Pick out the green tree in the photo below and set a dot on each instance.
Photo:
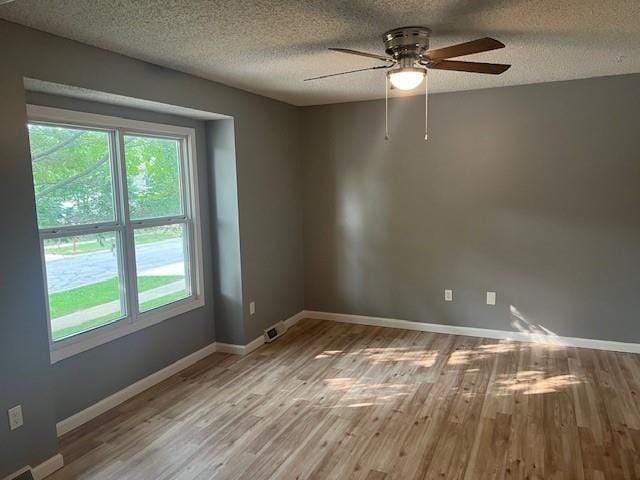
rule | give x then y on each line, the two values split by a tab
71	172
153	176
73	180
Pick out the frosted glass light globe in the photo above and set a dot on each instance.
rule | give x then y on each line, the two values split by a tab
406	78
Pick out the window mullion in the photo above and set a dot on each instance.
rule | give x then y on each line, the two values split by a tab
128	258
185	175
189	200
192	261
46	290
118	193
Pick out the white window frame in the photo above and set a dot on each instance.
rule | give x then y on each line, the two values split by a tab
133	320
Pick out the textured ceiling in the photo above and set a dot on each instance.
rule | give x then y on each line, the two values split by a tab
269	47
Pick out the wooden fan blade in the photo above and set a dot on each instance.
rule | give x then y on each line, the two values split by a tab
474	67
345	73
362	54
474	46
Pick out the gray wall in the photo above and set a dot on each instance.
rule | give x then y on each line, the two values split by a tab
24	351
531	191
268	181
270	201
226	225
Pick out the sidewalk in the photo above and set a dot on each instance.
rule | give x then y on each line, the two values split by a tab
105	309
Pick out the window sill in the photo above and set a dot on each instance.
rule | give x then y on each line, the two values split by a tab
86	341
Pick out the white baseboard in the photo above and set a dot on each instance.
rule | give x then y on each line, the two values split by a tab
41	471
131	391
13	475
253	344
231	348
291	321
112	401
475	332
117	398
256	342
47	467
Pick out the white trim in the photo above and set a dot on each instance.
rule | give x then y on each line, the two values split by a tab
253	345
42	470
47	467
241	349
120	329
112	401
231	348
291	321
259	341
13	475
74	421
476	332
117	398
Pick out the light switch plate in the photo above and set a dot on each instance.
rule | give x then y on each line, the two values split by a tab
252	308
448	295
491	298
15	417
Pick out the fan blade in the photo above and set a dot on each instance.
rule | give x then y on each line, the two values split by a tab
474	67
345	73
474	46
363	54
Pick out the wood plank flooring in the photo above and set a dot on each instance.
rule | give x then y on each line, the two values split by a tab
331	400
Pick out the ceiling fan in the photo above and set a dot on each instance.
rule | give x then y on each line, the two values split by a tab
408	58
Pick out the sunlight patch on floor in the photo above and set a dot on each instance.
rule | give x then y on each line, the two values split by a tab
533	382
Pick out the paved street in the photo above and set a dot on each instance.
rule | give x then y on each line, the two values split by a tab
73	271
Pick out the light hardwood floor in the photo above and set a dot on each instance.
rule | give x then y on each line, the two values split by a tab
341	401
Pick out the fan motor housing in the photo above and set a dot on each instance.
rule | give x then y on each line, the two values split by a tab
406	41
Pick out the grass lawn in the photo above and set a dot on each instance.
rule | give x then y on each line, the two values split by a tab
157	302
84	326
106	319
81	298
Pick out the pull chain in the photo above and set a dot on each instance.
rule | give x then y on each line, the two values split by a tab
386	107
426	106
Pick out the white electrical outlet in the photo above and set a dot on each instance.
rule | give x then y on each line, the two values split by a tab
448	295
15	417
491	298
252	308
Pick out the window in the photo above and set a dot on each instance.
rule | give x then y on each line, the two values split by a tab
118	220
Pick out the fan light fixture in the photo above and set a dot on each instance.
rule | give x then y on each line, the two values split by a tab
406	78
407	58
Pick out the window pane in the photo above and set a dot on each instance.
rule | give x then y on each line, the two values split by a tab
162	264
153	176
84	283
72	175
